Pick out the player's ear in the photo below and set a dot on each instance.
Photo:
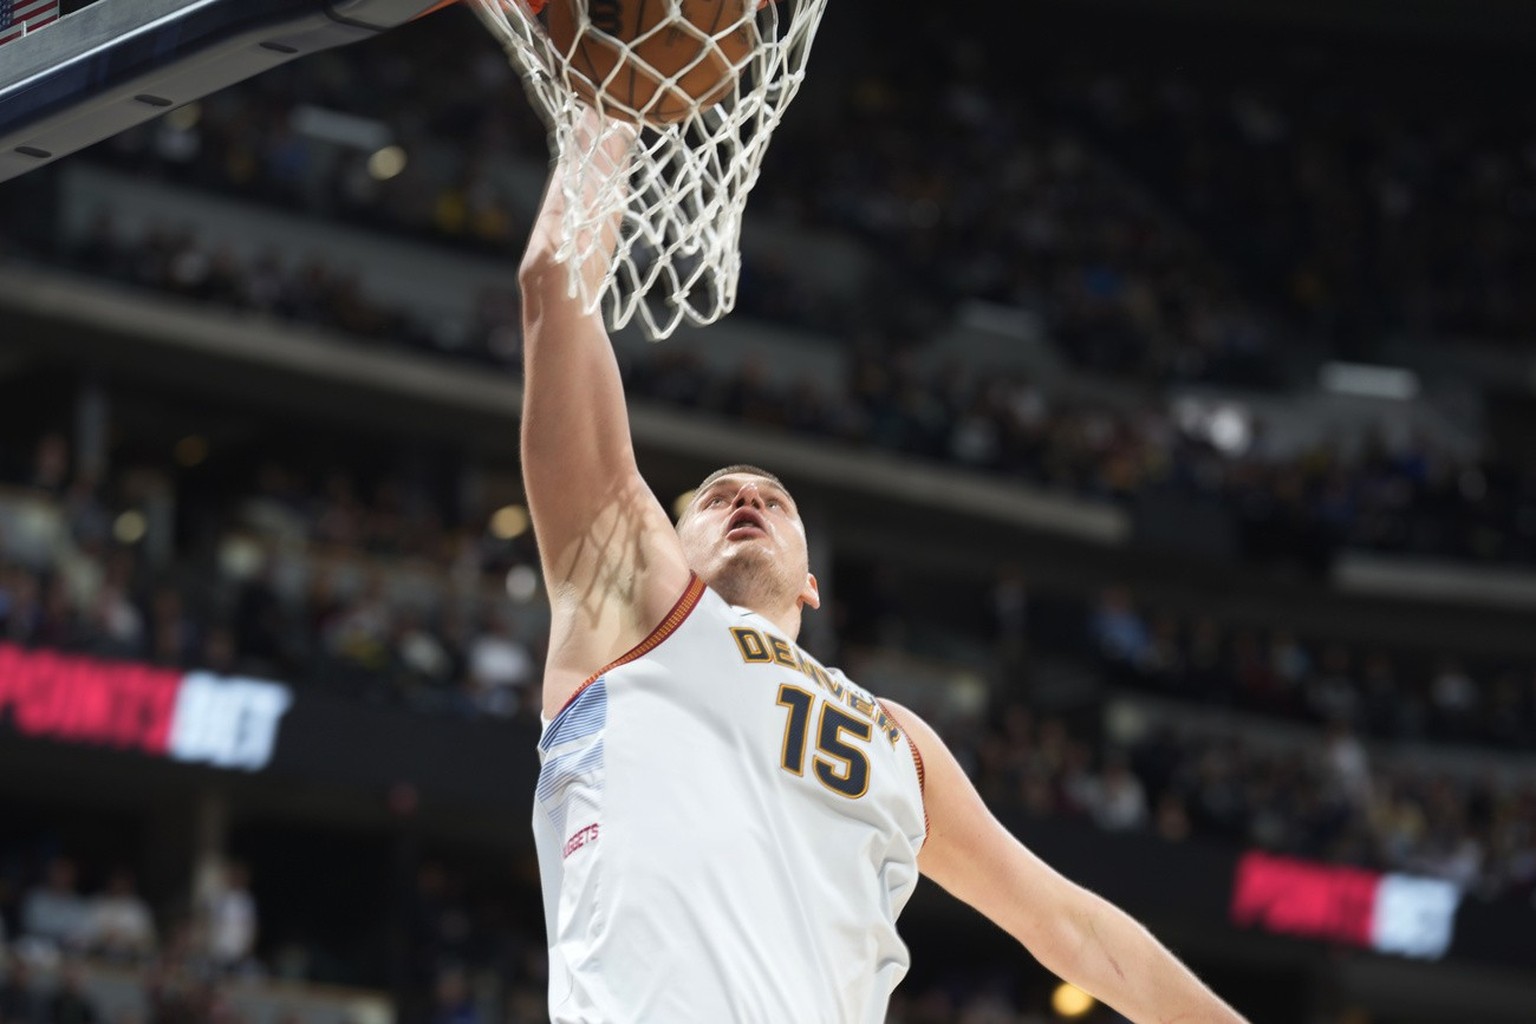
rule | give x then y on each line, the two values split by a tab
810	594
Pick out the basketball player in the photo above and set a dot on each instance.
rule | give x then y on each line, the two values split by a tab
726	829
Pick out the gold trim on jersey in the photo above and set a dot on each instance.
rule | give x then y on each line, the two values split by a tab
750	643
917	761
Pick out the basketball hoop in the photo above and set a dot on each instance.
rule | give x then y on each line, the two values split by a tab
691	161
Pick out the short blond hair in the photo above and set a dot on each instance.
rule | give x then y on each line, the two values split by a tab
740	467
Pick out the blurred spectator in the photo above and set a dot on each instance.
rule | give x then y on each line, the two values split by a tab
114	618
1119	802
70	1004
229	918
20	1002
1455	700
220	653
1347	765
50	467
1010	619
1172	819
174	637
1333	695
1119	631
258	621
173	995
54	911
90	524
423	652
360	632
454	1003
500	667
121	927
19	607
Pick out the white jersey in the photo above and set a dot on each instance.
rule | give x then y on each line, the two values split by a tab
726	833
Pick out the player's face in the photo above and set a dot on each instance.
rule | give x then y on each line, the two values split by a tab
744	537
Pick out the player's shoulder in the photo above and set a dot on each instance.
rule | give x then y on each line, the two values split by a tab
916	728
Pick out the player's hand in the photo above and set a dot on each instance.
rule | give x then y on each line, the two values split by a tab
598	181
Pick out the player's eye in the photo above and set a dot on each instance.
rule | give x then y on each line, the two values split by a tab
716	500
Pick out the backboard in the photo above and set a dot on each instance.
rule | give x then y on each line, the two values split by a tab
112	64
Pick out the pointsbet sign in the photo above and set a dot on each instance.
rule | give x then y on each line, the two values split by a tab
1404	915
193	717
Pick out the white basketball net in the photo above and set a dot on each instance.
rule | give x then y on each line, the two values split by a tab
679	254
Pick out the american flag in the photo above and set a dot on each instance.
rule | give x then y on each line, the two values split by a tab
18	17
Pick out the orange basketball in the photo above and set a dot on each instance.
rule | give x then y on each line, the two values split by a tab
653	59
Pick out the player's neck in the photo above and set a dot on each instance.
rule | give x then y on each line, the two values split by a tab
788	622
785	617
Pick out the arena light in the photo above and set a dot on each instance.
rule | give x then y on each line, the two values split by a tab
1364	381
387	163
1230	430
522	583
509	522
184	118
681	502
191	451
1071	1002
130	527
365	133
1224	424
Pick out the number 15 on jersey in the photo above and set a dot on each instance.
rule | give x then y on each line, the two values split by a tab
837	764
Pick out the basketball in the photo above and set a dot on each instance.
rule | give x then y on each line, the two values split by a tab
653	59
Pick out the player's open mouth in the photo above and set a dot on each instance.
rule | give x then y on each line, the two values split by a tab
745	523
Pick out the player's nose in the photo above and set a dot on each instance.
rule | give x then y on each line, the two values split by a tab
749	495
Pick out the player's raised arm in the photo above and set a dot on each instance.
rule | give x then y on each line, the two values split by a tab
1075	934
612	564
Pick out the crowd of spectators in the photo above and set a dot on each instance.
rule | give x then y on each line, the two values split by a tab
115	924
467	652
1296	509
1350	203
1388	695
175	261
462	957
471	956
965	190
1285	507
343	617
54	936
945	162
378	587
1326	799
1360	199
460	950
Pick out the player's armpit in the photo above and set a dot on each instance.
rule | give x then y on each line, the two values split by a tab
1075	934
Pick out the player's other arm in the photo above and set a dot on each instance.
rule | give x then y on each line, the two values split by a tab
1077	935
612	564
